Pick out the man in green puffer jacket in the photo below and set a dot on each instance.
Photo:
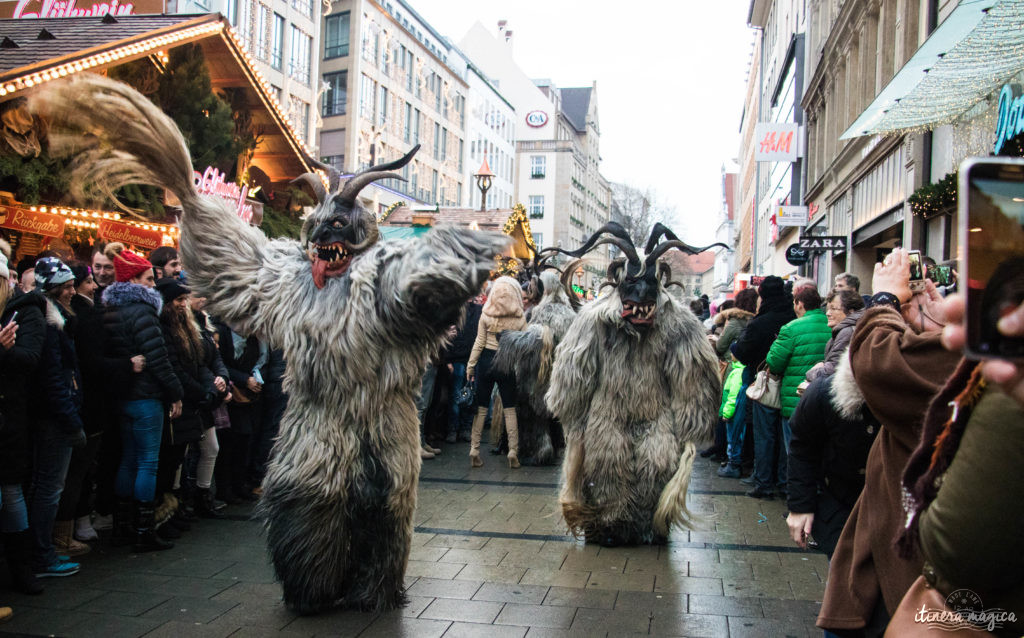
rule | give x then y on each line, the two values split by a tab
800	345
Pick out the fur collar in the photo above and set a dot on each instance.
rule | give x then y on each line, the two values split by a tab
123	293
846	396
732	313
54	316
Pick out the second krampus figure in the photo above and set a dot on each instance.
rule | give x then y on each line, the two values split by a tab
636	386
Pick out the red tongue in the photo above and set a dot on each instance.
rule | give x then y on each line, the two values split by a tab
319	273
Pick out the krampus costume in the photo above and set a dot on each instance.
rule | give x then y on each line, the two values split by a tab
529	355
635	385
357	321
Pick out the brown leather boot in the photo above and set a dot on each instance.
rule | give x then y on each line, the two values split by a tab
474	438
512	428
64	541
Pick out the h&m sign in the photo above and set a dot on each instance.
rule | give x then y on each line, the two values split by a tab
836	242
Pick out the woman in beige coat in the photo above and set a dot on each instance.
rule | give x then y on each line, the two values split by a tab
502	311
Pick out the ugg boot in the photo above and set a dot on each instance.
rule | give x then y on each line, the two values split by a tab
146	539
64	541
18	549
123	533
84	531
474	437
512	428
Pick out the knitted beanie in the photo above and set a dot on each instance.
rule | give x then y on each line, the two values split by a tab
81	272
771	288
51	272
127	264
170	289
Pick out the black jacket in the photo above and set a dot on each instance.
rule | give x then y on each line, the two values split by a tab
132	327
752	347
100	374
244	416
196	382
462	345
830	444
56	392
17	368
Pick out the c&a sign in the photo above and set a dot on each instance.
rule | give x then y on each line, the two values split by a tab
28	221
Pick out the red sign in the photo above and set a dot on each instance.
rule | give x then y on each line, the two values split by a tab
29	221
127	234
77	8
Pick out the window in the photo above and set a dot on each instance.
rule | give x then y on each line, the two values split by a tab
416	127
366	90
337	36
408	70
305	7
414	180
538	239
444	144
277	43
536	206
382	107
300	118
407	131
461	148
433	185
335	161
437	93
336	95
261	40
302	47
232	10
245	9
437	141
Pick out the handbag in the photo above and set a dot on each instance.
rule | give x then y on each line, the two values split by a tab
466	395
766	388
905	622
220	417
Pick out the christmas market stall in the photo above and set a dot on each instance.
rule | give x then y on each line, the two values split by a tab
244	146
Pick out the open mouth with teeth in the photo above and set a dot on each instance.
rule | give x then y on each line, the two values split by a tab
638	314
329	260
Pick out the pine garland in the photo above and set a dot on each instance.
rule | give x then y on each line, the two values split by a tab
935	199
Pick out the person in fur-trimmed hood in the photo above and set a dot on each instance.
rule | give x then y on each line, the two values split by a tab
132	324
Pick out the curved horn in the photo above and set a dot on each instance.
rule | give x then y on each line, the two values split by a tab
542	261
566	279
614	267
313	181
664	247
657	232
360	180
620	239
333	174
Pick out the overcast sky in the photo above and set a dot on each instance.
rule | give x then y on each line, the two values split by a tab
670	83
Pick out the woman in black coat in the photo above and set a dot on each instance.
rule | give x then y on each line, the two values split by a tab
202	458
21	344
243	357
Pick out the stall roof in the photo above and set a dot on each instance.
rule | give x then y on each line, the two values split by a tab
34	52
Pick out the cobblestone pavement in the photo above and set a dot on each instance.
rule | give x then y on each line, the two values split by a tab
490	558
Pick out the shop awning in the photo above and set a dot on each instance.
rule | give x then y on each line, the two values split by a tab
975	50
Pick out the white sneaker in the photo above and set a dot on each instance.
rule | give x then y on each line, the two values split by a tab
84	530
103	522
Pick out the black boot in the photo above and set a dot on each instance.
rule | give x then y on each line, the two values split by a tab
18	548
146	539
124	531
204	504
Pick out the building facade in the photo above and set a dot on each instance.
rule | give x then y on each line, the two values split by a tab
282	38
724	261
746	182
390	81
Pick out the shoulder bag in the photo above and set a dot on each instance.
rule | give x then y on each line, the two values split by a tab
909	622
766	388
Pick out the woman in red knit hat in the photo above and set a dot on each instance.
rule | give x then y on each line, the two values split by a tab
134	336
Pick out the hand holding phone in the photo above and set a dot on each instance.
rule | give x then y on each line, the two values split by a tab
916	271
8	334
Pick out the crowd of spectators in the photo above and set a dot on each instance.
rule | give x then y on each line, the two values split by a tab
123	406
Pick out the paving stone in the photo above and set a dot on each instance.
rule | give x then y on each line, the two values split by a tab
526	594
685	585
472	611
766	628
474	630
605	563
695	625
66	598
460	542
530	560
808	591
43	622
536	616
428	554
196	568
185	608
272	615
200	587
649	602
560	577
436	588
760	588
265	632
177	629
725	606
391	626
492	574
124	603
695	555
261	593
574	597
339	622
628	582
422	569
106	626
248	572
599	621
779	608
735	570
474	556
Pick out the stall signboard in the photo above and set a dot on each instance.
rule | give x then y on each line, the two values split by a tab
776	142
29	221
792	216
128	234
18	9
211	182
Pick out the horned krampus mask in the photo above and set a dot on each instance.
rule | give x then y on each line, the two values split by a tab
340	229
636	280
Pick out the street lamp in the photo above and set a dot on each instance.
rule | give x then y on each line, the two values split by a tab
483	182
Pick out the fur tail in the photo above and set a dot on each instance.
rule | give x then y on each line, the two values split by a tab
547	356
575	510
672	503
115	136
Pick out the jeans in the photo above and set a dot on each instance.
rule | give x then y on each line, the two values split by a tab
48	473
767	431
141	429
736	428
426	394
460	418
13	513
787	435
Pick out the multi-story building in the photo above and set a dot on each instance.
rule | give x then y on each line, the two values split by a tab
724	261
746	184
282	37
557	151
391	82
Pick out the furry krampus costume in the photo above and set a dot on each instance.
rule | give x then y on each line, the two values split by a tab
357	321
635	384
529	354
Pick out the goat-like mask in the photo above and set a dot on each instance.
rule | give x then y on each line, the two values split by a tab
340	228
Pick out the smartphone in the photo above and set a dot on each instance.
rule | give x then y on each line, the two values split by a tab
14	316
916	270
991	210
941	275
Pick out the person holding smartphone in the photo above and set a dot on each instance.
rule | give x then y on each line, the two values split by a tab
899	365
